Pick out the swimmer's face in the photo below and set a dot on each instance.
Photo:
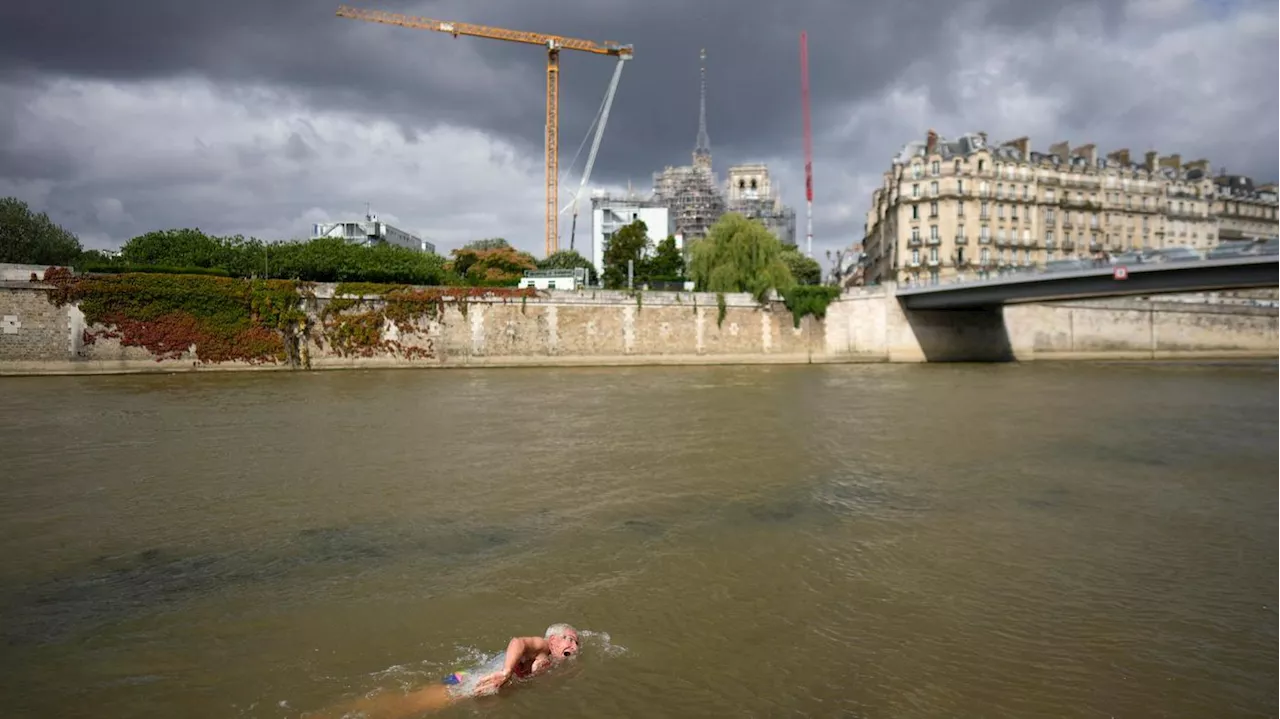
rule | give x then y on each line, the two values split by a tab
564	646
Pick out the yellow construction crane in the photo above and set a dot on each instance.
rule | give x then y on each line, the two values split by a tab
553	43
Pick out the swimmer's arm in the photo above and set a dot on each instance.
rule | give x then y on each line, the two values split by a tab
519	648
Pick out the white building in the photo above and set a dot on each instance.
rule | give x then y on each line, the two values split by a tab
555	279
610	214
371	231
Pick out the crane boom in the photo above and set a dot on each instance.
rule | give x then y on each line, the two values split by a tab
595	145
553	44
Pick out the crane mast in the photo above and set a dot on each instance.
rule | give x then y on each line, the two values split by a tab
808	142
553	44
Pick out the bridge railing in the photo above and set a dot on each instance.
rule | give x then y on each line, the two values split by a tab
994	272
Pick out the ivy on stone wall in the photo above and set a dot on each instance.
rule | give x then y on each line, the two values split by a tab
809	300
222	319
353	322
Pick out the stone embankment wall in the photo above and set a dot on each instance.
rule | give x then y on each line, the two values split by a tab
560	329
592	327
618	328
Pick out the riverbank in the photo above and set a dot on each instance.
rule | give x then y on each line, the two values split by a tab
182	324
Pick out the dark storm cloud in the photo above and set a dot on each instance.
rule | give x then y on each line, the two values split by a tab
420	77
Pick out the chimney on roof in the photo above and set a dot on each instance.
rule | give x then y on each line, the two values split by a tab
1120	156
1061	149
931	143
1174	161
983	135
1150	162
1022	145
1089	152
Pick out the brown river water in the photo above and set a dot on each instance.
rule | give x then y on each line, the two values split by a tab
1040	540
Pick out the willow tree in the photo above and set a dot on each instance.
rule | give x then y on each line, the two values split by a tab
739	255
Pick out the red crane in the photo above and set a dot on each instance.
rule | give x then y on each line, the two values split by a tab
808	142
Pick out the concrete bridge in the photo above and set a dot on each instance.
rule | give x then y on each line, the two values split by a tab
1199	275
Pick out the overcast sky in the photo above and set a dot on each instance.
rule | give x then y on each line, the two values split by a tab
260	117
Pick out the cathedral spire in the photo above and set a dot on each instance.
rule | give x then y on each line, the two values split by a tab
702	149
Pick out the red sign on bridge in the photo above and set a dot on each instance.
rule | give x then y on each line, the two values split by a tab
1120	273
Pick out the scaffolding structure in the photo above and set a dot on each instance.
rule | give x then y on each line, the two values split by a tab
691	193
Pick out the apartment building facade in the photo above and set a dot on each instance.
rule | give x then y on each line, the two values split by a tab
965	207
1245	212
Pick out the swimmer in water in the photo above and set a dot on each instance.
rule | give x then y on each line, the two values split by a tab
524	657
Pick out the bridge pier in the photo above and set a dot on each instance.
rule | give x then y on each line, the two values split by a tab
978	335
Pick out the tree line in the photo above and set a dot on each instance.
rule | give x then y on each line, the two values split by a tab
738	255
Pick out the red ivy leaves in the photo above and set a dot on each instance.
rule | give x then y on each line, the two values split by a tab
171	335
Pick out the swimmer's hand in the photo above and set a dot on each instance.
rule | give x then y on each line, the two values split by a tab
493	682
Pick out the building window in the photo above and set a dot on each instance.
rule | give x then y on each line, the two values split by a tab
915	234
933	188
936	168
985	256
933	232
933	208
915	212
915	257
960	209
983	211
960	186
1048	238
981	165
957	167
999	209
1048	194
982	188
984	233
933	255
999	191
915	190
915	170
